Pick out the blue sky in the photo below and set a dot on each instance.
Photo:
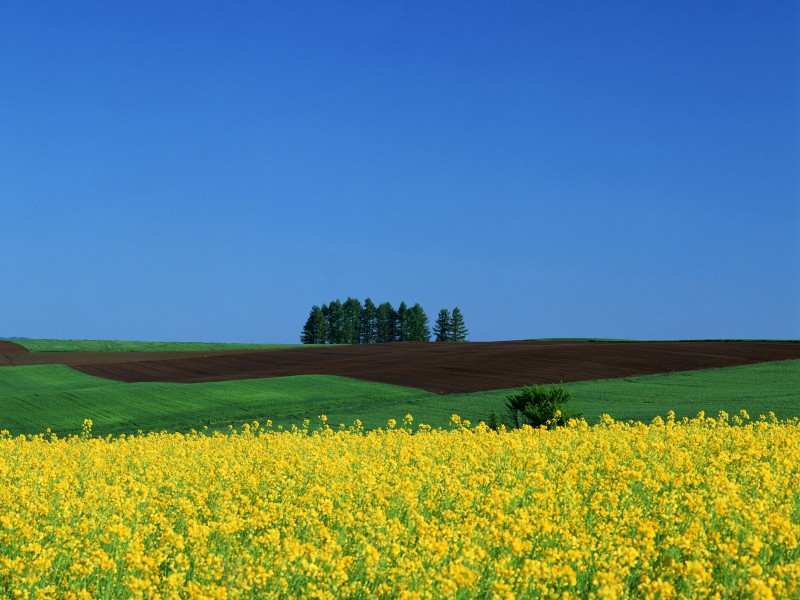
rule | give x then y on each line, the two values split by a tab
210	170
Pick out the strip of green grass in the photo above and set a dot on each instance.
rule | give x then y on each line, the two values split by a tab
37	397
133	346
759	389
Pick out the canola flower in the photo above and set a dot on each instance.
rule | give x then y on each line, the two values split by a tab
700	508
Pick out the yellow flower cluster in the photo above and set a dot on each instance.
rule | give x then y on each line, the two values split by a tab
699	508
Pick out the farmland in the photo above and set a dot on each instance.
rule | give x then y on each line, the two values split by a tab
314	484
40	396
442	368
54	396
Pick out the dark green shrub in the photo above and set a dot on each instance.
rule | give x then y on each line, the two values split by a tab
494	422
539	405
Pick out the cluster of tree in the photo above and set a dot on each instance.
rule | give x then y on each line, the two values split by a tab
450	327
351	322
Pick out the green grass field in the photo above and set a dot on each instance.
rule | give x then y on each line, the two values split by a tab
36	345
759	389
33	398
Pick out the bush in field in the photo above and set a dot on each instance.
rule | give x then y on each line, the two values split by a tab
539	405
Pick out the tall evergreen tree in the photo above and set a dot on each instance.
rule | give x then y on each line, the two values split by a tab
386	319
314	331
351	321
441	329
369	322
418	329
335	322
458	329
401	326
326	313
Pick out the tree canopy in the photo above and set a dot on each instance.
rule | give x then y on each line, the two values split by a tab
441	329
315	331
351	322
450	327
458	329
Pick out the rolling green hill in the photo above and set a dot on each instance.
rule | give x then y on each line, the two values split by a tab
33	398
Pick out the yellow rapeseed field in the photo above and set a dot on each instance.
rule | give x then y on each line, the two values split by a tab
701	508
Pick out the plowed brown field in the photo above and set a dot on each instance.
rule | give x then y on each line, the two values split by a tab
11	348
440	368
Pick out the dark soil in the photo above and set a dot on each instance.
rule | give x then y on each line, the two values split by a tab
436	367
11	347
10	352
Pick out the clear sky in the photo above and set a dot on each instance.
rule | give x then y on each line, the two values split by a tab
210	170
